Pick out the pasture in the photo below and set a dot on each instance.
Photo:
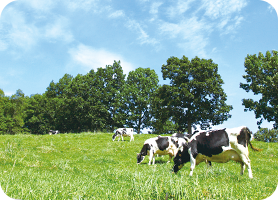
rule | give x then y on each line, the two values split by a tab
91	166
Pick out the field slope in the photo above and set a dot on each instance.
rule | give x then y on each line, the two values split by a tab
91	166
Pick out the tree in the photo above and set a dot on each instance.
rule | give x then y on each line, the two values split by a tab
266	135
141	84
12	113
109	86
40	114
194	96
262	78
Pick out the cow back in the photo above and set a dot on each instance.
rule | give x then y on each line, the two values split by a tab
211	142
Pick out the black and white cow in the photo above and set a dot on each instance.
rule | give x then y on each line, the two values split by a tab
160	146
216	146
53	132
187	137
120	132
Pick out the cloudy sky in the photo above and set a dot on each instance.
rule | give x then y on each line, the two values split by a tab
41	40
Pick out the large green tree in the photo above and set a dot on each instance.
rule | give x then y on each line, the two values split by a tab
195	95
109	87
140	87
262	79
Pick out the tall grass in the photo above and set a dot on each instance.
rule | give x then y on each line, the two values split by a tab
91	166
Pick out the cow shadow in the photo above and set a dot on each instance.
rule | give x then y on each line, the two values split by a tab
156	162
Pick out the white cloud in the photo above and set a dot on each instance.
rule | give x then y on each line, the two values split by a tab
82	4
40	5
116	14
219	8
271	5
17	32
58	30
154	7
3	45
233	26
91	58
179	8
143	37
192	33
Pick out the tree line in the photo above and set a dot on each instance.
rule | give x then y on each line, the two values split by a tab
106	99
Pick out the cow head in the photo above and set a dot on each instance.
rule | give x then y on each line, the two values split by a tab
140	158
181	158
114	136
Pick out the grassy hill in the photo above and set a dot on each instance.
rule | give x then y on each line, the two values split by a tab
91	166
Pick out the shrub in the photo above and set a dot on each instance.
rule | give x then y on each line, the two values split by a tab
266	135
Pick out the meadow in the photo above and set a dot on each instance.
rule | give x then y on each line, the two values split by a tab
91	166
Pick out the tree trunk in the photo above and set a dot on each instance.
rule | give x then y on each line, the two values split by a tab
189	130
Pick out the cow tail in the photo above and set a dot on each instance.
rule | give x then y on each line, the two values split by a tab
249	138
254	148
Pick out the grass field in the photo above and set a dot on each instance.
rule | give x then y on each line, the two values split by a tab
91	166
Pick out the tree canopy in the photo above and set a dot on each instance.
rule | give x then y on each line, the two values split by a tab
101	100
195	95
262	79
141	85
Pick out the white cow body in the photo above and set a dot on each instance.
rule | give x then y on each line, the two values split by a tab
126	132
160	146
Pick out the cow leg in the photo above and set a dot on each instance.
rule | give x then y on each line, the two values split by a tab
122	138
151	157
153	160
208	163
242	168
170	158
192	161
243	154
246	161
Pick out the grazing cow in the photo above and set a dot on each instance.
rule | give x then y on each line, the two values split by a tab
216	146
187	137
160	146
120	132
53	132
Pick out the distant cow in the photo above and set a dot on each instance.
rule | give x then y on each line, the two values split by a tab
120	132
161	146
53	132
217	146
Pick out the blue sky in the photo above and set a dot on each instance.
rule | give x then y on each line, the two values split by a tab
41	40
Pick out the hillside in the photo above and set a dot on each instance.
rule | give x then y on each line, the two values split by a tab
91	166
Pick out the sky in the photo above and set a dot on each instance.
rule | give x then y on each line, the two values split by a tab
41	40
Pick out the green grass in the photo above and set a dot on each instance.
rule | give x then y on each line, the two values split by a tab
91	166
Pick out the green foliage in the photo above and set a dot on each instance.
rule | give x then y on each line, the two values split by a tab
194	96
91	166
141	85
262	78
12	113
102	100
266	135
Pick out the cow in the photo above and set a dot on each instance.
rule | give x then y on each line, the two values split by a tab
216	146
160	146
53	132
120	132
187	137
